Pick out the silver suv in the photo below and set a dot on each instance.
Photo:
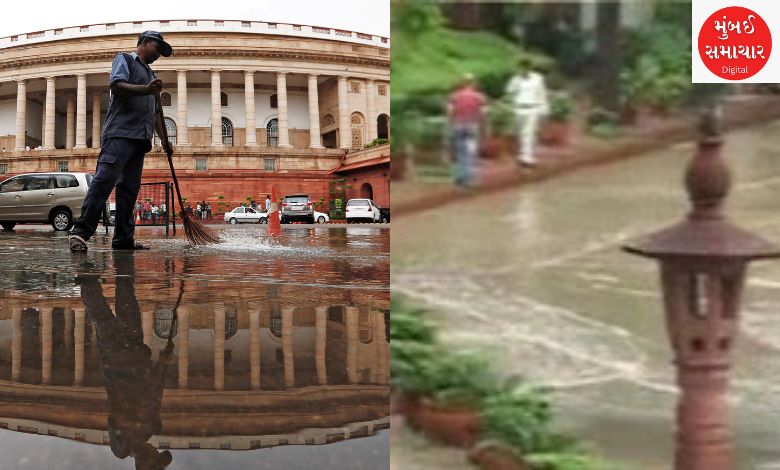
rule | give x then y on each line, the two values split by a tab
297	207
33	198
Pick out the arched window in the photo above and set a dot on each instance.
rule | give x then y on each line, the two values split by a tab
223	98
163	319
276	321
165	98
170	126
273	132
227	132
274	102
381	126
231	322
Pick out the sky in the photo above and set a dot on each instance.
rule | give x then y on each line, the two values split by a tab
363	16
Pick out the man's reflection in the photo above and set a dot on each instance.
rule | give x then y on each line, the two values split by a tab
134	385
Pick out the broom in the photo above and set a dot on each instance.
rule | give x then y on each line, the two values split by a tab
197	233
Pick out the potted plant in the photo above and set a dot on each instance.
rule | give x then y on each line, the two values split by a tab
556	130
411	339
452	386
516	432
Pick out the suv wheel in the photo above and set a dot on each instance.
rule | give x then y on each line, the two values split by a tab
61	220
8	226
233	221
320	220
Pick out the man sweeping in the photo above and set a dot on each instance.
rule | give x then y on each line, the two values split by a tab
126	138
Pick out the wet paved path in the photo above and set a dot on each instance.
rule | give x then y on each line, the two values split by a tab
278	359
536	277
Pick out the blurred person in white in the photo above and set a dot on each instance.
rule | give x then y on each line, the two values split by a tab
529	97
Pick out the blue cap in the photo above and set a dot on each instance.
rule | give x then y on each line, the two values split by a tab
165	49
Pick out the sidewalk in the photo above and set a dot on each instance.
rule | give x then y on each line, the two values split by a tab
739	111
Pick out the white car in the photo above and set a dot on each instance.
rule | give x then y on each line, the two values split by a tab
242	214
362	210
321	217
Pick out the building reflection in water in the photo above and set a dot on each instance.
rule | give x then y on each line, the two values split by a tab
254	364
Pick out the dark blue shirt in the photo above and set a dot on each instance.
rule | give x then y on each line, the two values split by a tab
131	117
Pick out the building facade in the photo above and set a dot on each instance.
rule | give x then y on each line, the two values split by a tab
252	107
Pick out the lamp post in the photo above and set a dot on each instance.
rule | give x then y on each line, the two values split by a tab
703	261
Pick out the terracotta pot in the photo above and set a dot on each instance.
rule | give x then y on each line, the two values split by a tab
455	426
496	456
555	133
490	148
398	167
402	403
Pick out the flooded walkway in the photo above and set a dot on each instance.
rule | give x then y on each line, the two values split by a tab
254	353
536	279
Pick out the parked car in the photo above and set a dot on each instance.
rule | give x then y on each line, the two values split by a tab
362	210
34	198
297	207
243	214
321	217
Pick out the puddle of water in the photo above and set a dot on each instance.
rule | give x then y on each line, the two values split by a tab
279	345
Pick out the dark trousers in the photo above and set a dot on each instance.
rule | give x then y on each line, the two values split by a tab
119	165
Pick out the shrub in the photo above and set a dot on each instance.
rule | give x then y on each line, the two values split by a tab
561	106
659	75
375	143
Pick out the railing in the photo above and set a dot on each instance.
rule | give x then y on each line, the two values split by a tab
205	25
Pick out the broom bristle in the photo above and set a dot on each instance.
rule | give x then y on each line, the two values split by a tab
197	233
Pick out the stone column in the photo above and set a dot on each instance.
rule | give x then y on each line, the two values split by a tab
48	136
287	346
219	347
382	348
371	110
16	345
321	318
216	111
81	112
21	114
281	101
181	97
314	113
345	129
46	344
95	120
184	345
249	104
254	345
68	330
352	344
78	338
147	325
70	120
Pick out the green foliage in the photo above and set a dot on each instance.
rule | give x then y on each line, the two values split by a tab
375	143
518	416
409	324
449	378
432	61
501	115
562	461
561	106
658	73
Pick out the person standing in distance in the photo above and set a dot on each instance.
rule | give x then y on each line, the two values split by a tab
126	138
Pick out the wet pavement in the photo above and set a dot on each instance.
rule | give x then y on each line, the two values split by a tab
258	352
535	278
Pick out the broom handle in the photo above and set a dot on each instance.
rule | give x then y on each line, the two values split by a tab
164	136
